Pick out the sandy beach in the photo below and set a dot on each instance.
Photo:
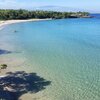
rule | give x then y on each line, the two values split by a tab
7	22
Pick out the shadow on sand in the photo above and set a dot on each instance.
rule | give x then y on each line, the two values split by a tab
4	52
20	83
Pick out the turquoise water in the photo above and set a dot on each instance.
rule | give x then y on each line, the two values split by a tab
65	52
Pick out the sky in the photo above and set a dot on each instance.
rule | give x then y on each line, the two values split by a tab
87	5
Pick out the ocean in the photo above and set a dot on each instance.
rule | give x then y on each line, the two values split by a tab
65	52
97	15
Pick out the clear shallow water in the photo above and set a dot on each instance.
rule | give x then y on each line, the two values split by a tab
66	52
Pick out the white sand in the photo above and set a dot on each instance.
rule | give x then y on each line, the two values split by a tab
7	22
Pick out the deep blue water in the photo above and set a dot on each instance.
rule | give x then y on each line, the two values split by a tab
96	15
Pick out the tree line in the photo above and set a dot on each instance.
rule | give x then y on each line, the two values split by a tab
6	14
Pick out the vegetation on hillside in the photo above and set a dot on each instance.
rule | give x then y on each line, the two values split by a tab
25	14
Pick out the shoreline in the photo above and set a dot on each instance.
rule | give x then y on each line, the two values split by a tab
3	23
8	22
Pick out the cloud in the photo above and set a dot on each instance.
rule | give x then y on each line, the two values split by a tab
7	1
17	4
7	4
12	4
